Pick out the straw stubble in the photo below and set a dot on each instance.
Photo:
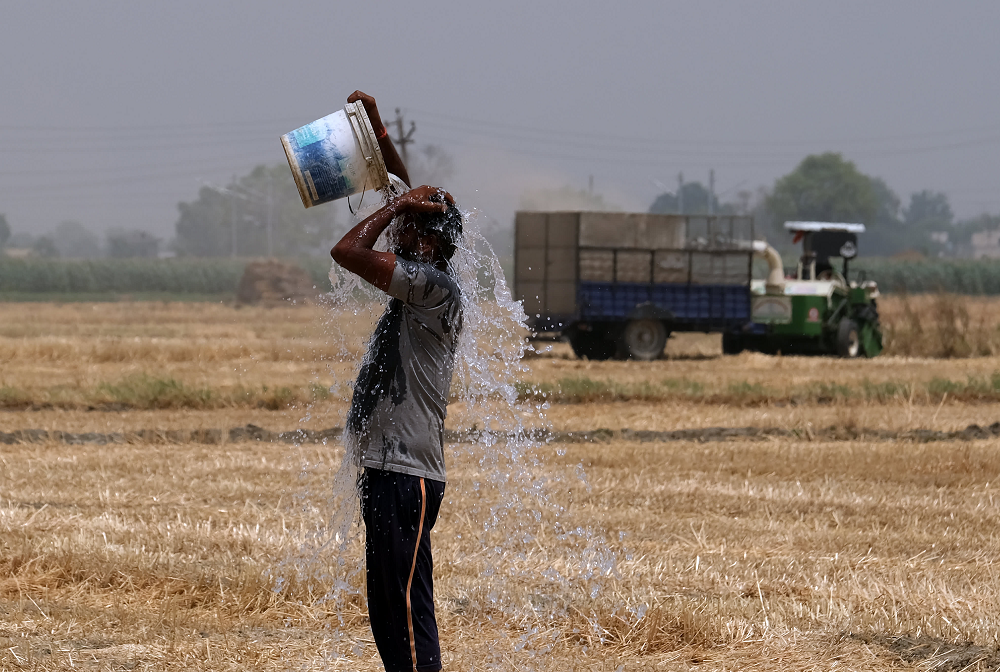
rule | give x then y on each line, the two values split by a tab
733	554
769	554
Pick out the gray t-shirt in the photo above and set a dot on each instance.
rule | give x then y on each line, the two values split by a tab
401	394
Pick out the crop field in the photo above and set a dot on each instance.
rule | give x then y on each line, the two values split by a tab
165	500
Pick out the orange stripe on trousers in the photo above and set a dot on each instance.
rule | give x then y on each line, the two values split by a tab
413	568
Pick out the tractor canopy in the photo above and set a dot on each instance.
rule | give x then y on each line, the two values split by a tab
822	240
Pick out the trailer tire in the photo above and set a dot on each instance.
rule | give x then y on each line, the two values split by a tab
848	338
591	345
644	339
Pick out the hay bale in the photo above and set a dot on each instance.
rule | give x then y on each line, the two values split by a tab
271	281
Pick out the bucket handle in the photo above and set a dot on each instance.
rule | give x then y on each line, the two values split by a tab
363	140
368	144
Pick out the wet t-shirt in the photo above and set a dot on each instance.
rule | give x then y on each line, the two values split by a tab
401	394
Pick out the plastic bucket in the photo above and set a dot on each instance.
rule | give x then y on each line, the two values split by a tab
335	156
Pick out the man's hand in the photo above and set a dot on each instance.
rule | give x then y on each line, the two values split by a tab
419	200
393	163
371	108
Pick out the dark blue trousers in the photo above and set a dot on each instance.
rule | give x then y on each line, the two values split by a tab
399	511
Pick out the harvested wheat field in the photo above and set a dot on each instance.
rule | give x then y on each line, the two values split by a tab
698	512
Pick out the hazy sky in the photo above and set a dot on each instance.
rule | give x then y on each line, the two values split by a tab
113	112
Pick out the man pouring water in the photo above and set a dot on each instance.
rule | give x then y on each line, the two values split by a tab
396	418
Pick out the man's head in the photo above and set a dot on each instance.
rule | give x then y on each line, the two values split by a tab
430	237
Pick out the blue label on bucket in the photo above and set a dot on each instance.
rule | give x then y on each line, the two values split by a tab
323	164
310	133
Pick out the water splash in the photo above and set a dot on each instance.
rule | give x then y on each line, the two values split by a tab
497	474
509	492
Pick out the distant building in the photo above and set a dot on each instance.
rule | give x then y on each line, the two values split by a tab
986	244
18	252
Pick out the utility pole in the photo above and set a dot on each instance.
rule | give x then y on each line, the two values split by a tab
403	139
590	186
680	193
711	191
235	215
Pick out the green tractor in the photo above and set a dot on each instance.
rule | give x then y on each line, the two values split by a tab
821	311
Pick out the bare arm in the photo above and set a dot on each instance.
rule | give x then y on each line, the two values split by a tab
354	251
393	163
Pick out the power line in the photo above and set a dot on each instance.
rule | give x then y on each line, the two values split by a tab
722	153
553	132
63	186
589	149
645	156
659	159
104	147
249	125
477	126
90	170
608	145
179	127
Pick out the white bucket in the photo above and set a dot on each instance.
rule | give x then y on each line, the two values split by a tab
335	156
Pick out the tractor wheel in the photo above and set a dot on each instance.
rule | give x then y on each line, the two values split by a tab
644	339
591	345
848	338
870	330
732	344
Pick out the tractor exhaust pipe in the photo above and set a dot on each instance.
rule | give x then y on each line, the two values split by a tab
775	283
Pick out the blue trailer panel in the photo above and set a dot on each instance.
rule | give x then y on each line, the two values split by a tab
617	284
708	306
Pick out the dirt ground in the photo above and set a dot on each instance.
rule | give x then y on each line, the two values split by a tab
792	552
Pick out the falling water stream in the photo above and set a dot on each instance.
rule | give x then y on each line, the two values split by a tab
522	560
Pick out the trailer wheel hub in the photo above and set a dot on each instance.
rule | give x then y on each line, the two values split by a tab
644	339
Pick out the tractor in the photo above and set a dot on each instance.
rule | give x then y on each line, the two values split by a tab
819	311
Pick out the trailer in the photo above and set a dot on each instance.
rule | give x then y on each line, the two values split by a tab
617	284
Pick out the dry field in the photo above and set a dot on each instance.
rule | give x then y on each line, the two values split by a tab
765	553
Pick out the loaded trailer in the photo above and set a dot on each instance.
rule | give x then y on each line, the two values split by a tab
617	284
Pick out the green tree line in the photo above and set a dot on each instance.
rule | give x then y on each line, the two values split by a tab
829	188
181	276
259	214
